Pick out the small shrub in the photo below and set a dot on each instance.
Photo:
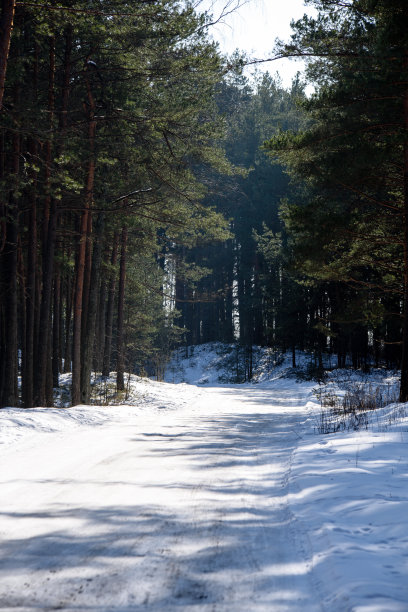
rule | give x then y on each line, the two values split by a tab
350	411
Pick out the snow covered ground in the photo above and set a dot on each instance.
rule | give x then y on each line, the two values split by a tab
204	498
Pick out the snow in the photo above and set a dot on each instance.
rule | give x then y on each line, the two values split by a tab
205	497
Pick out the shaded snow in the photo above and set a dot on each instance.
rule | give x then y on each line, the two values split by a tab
220	498
216	363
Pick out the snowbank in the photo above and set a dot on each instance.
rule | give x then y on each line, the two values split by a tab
349	493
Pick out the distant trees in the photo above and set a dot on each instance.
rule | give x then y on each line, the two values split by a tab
244	296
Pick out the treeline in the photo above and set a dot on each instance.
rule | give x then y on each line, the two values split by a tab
149	195
254	295
245	297
108	112
319	259
349	230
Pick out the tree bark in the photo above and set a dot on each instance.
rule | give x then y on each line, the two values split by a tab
99	345
120	381
28	379
87	278
49	228
76	335
9	396
69	302
43	353
56	330
8	8
404	361
110	309
88	335
81	256
48	144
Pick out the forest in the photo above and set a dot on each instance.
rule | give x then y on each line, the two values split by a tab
153	195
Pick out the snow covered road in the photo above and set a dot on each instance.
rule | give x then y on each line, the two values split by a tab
184	507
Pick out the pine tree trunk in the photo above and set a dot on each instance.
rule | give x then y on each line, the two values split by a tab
99	347
81	256
44	333
48	144
404	362
49	391
28	379
56	331
110	310
49	226
65	348
8	8
2	338
9	388
59	342
88	332
76	335
87	279
21	310
120	381
9	397
229	310
61	346
69	303
2	279
66	86
256	299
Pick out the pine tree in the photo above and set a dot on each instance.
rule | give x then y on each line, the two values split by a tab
118	112
352	157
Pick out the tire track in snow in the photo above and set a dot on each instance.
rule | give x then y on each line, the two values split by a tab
185	509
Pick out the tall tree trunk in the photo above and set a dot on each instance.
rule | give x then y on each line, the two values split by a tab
8	8
404	362
28	379
88	333
48	144
49	390
2	279
44	333
87	279
110	309
229	309
66	86
65	348
81	256
120	381
49	228
69	303
21	309
99	345
56	330
9	396
2	339
76	335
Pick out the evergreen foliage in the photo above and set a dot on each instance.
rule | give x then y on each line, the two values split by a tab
139	207
244	298
108	110
349	231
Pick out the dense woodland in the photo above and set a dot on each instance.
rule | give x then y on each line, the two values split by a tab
152	195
